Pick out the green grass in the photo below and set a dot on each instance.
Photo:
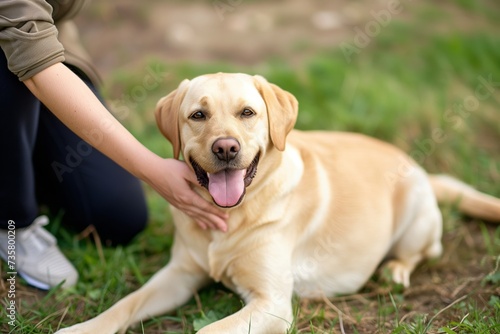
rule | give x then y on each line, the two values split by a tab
410	87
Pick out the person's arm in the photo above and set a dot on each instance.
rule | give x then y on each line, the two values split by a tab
77	107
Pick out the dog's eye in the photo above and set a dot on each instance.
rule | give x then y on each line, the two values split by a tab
247	112
198	115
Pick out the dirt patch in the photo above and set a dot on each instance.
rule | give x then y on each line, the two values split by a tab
118	34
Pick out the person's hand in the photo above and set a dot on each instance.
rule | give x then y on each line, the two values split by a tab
172	182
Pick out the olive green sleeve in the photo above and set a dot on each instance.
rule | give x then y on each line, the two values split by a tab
28	37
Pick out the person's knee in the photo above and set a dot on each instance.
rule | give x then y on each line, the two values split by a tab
117	221
121	225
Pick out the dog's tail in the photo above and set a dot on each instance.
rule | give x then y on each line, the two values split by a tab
449	190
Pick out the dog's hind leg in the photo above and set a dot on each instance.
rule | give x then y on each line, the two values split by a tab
420	238
412	248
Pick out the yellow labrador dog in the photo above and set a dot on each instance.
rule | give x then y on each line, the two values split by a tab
311	213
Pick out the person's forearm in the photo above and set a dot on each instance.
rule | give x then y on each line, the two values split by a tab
79	109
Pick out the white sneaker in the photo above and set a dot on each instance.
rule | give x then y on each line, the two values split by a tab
37	258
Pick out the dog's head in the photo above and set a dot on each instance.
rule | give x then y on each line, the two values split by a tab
224	124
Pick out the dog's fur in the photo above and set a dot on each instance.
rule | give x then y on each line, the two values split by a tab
321	213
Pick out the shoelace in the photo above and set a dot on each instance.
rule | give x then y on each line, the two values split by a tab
37	231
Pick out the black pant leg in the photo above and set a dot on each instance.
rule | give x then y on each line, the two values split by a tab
19	111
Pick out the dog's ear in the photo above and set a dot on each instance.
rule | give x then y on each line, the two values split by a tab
167	115
282	110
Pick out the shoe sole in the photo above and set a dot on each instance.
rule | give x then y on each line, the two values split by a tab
30	280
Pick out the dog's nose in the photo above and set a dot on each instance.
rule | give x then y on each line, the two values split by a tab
226	149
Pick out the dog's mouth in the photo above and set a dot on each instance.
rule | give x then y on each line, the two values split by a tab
228	186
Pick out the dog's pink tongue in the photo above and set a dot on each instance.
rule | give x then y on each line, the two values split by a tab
226	187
